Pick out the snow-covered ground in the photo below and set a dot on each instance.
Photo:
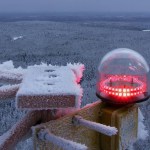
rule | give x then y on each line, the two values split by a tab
17	37
58	43
146	30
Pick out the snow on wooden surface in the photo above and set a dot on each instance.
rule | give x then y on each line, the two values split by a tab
47	86
49	80
44	80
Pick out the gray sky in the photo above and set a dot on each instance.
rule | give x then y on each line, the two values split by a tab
74	5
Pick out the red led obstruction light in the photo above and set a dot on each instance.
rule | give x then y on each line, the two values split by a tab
123	77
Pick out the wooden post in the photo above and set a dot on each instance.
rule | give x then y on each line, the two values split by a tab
125	118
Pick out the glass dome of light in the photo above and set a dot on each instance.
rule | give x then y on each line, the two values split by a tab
123	77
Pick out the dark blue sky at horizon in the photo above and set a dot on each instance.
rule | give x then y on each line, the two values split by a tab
74	5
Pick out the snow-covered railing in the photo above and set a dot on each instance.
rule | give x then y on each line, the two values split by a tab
8	76
107	130
45	135
8	91
8	73
10	79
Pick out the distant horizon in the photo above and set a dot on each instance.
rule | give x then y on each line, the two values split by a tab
71	12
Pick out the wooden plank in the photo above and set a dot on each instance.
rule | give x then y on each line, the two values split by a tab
63	127
46	102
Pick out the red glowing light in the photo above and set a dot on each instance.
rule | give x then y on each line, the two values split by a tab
122	86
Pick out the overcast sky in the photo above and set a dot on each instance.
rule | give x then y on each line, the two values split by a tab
74	5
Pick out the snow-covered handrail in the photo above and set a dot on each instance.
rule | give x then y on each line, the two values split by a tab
9	73
107	130
10	77
45	135
8	91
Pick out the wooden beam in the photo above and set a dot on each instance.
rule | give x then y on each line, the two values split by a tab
124	118
46	136
19	130
63	127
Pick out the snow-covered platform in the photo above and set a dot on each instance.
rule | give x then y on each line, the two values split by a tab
50	87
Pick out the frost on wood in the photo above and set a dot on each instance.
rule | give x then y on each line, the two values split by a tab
59	141
10	77
78	70
50	87
142	132
8	91
8	73
107	130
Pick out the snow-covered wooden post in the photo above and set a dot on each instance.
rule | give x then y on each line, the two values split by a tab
125	118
